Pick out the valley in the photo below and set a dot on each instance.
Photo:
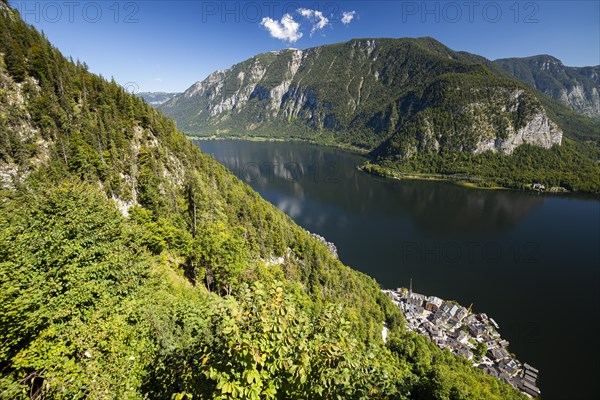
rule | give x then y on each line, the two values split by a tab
415	106
248	236
501	251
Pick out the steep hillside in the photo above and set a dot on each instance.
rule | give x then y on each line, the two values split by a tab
573	124
576	87
362	92
133	266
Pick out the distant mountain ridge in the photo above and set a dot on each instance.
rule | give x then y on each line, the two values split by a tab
576	87
418	108
156	98
365	91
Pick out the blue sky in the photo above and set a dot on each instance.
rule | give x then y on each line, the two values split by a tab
153	45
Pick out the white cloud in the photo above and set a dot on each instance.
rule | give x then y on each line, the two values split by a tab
287	29
316	17
348	16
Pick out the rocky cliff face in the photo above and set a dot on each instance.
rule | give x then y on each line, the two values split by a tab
25	147
576	87
364	92
474	120
538	131
17	135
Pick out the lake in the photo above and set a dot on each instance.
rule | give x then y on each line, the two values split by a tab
529	261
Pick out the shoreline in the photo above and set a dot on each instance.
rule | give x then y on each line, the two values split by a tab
388	173
400	176
352	149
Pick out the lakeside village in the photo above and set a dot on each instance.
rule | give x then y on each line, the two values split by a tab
473	336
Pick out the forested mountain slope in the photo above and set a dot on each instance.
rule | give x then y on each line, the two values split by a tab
134	266
362	92
576	87
415	105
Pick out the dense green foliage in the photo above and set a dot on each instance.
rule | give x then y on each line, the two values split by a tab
134	266
88	311
559	167
71	284
480	351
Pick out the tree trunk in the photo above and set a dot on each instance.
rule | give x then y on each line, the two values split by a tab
62	145
208	278
195	220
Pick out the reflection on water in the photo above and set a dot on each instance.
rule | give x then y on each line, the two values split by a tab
529	261
446	207
293	176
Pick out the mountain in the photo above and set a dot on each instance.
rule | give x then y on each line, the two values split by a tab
362	92
414	105
134	266
576	87
156	98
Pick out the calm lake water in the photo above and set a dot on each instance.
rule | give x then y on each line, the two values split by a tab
529	261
